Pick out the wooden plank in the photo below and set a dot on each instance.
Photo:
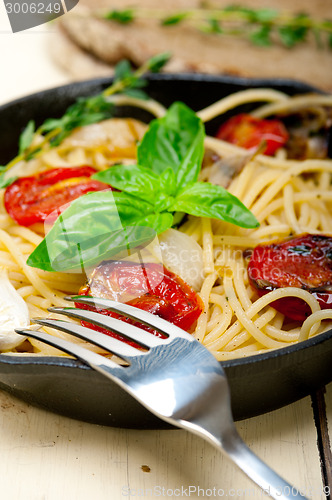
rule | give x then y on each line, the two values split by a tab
324	407
46	456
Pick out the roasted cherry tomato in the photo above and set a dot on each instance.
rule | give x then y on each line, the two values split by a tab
150	287
32	199
304	262
248	132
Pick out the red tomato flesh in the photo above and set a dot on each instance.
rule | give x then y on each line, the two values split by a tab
32	199
304	262
150	287
248	132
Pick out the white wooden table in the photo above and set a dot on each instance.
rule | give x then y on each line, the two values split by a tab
44	456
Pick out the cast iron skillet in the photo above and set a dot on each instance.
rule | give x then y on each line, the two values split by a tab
63	385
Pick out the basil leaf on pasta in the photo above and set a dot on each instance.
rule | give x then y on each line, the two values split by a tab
174	141
94	227
26	137
5	181
208	200
40	257
158	190
136	180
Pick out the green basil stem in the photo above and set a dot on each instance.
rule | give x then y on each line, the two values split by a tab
35	150
120	85
236	17
228	14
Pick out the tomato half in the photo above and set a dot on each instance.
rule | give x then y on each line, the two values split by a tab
248	132
150	287
32	199
304	262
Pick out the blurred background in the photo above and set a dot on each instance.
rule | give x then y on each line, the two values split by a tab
81	45
25	62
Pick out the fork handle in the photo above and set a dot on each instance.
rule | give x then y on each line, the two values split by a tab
260	473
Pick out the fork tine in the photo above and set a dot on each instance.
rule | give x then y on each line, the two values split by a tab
143	338
106	342
89	357
145	317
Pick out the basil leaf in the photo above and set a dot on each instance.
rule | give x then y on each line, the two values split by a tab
122	70
133	179
130	82
26	137
124	16
291	34
136	94
168	182
176	140
139	181
159	222
40	258
175	19
94	227
264	15
92	251
5	182
262	36
208	200
157	62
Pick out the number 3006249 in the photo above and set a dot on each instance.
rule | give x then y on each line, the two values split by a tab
33	8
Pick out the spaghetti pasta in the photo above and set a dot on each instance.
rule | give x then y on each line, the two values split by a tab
287	196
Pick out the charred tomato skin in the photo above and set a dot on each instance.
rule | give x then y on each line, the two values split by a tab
249	132
32	199
150	287
304	261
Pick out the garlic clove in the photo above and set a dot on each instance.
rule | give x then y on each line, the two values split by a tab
182	255
14	313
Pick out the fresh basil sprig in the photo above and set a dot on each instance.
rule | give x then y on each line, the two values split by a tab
85	111
98	225
261	26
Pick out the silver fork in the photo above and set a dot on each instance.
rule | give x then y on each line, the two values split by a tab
176	378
